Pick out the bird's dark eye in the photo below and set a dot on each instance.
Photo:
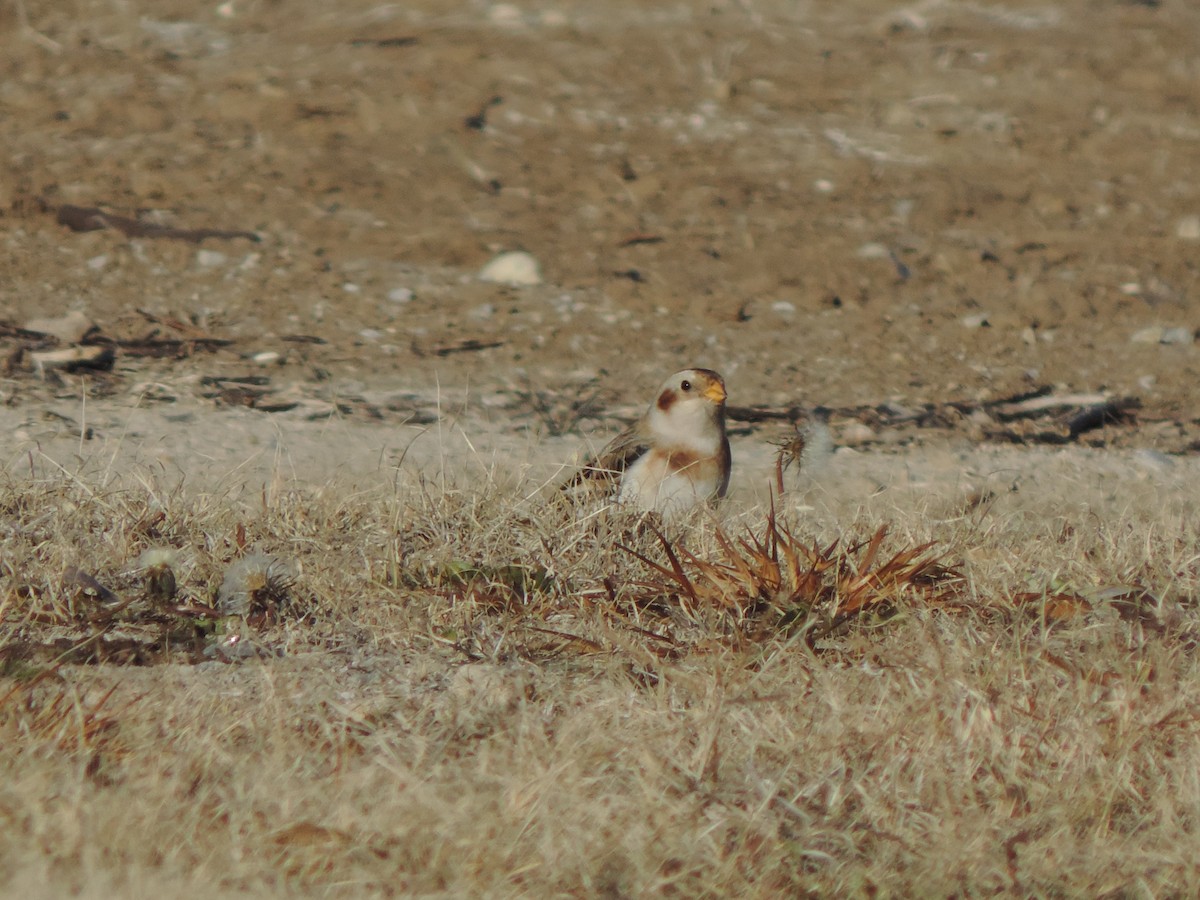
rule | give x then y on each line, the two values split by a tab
686	385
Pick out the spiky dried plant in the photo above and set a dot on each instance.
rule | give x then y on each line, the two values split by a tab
806	446
256	586
778	581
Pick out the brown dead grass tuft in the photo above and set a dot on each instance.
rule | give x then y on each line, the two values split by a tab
774	582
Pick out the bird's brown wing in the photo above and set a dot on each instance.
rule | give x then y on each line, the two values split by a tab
607	466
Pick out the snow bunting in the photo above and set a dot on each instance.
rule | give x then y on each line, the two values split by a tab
677	455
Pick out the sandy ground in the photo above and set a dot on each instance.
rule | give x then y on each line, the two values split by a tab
873	203
238	453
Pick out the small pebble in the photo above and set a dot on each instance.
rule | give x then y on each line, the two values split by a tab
1188	228
979	320
69	328
567	303
1152	334
873	251
515	268
351	288
400	295
266	357
783	307
210	258
1177	336
97	263
370	334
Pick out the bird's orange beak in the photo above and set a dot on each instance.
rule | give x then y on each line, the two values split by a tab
715	392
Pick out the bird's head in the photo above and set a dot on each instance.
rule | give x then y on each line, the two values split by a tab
690	408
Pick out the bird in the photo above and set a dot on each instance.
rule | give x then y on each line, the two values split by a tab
676	456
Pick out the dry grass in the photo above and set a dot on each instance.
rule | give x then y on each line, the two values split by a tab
462	692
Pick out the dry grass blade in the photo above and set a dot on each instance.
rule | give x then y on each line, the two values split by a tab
907	568
580	643
676	573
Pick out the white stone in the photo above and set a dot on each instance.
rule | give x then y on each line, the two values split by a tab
516	268
266	357
979	320
69	328
1150	335
209	259
873	251
1188	228
400	295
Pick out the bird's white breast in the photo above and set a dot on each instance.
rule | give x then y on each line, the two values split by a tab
651	483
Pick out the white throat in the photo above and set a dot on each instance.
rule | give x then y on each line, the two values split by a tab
688	425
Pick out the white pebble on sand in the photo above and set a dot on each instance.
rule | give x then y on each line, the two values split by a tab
1177	335
209	259
1157	334
1188	228
69	329
516	268
873	250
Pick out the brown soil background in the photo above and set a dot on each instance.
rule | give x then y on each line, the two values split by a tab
810	198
